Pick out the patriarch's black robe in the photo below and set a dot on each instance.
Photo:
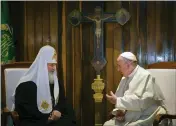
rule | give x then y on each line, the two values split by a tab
29	115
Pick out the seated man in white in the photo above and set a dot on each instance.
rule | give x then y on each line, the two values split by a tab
137	98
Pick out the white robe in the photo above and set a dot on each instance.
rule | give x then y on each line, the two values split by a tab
140	96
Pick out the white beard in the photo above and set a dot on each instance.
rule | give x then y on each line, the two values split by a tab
51	77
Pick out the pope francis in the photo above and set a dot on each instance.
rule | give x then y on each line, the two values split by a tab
138	98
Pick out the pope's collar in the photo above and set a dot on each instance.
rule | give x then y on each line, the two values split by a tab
134	71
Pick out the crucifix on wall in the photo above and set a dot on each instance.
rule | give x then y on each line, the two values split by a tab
99	18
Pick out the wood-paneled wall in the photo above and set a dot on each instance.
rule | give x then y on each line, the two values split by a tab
40	24
150	34
72	59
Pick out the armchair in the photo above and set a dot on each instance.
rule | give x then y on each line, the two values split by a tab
10	73
165	77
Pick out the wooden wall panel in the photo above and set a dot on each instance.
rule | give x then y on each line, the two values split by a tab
45	21
16	10
88	72
147	34
141	46
72	61
170	30
150	34
30	39
54	17
69	58
133	22
109	79
126	30
174	32
64	36
158	31
87	79
164	28
77	75
116	52
113	47
40	25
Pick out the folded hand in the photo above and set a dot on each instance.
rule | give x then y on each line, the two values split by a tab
120	115
55	115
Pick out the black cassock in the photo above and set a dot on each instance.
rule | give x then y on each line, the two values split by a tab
29	115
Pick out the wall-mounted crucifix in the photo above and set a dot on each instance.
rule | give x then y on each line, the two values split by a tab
99	18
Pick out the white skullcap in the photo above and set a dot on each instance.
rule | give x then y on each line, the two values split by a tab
129	55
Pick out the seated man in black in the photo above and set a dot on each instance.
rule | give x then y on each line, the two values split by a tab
39	98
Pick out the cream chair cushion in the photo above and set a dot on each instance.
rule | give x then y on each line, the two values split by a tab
166	79
12	76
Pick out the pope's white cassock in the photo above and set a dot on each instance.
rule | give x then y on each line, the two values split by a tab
140	96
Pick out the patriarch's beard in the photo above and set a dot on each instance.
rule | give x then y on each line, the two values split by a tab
51	77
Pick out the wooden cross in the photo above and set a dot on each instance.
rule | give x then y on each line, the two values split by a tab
98	18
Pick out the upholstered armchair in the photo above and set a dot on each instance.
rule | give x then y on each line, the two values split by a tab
165	77
10	75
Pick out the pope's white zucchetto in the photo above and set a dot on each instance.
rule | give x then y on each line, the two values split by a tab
129	56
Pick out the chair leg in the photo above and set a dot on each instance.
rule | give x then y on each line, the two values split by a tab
155	123
170	122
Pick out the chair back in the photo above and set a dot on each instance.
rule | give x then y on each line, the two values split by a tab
165	77
11	74
12	77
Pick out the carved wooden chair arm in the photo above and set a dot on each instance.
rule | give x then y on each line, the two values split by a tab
14	115
4	116
15	118
6	112
161	117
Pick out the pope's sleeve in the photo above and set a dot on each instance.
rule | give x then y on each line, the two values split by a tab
131	101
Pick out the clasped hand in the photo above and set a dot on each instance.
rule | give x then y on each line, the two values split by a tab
112	97
120	115
55	115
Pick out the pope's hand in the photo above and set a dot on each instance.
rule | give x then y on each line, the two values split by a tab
120	115
112	97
